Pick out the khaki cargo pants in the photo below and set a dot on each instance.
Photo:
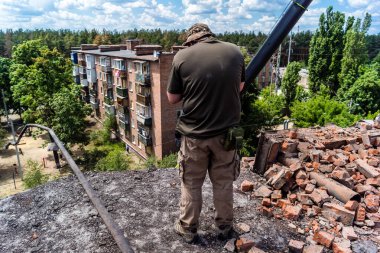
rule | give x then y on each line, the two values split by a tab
195	158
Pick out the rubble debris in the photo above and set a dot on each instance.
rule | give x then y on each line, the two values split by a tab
246	186
296	246
230	245
255	250
324	238
327	175
244	243
364	247
243	227
313	249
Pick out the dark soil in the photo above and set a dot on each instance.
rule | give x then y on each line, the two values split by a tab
59	217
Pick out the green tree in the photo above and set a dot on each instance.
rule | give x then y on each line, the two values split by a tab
5	85
354	53
321	110
364	94
69	118
290	82
325	53
42	84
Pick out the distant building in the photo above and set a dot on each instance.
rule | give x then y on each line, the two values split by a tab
129	82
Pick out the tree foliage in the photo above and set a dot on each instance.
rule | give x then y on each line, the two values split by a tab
5	85
325	51
321	110
354	52
42	84
364	94
290	82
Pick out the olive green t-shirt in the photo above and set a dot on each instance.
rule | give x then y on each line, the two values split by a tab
208	76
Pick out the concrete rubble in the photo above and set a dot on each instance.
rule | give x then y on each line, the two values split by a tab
325	182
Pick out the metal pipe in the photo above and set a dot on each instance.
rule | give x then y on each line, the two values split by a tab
282	28
116	232
334	188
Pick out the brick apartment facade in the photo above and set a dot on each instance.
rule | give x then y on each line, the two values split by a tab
129	82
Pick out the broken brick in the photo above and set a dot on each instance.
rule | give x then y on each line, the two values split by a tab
282	203
244	243
292	212
324	238
268	212
360	214
266	202
361	189
289	147
326	168
246	186
230	245
366	169
351	205
263	191
255	250
373	181
341	245
243	227
313	249
349	233
276	194
293	198
372	203
353	157
309	188
296	246
301	174
373	162
346	216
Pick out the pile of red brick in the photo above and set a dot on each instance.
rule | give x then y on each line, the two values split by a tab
296	187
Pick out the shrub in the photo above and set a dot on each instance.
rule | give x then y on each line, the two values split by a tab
116	160
33	174
169	161
321	110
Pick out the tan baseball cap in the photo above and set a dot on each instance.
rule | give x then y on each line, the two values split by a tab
197	31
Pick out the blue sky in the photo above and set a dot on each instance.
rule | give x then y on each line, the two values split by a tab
221	15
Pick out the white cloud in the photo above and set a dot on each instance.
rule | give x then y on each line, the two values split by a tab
359	3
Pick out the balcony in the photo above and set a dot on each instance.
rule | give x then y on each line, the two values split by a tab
106	68
77	79
143	79
144	100
93	92
109	109
94	103
145	120
82	63
108	100
107	84
124	125
121	73
123	113
75	71
84	82
121	92
147	141
91	74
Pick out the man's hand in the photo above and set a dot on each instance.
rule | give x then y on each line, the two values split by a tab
241	86
174	98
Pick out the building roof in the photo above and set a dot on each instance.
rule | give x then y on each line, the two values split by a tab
120	54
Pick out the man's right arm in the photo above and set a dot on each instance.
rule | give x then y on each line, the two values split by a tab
173	98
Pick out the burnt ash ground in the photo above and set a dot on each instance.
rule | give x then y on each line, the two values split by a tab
59	216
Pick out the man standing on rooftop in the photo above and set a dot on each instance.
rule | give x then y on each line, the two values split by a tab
207	77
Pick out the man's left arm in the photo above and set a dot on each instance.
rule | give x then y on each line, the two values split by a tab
175	86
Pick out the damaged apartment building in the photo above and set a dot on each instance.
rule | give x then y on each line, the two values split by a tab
129	82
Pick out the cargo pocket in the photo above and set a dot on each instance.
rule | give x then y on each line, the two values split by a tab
236	166
180	164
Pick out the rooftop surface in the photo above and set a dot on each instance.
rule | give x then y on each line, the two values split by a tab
59	216
129	54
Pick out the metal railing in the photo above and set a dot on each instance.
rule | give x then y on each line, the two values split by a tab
116	232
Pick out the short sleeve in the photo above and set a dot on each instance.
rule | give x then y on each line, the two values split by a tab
175	84
243	72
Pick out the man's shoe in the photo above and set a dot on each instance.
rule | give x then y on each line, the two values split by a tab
188	236
225	232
